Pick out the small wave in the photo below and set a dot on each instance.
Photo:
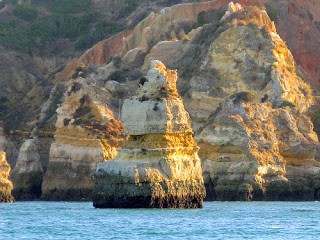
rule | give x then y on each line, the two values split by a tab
277	227
303	210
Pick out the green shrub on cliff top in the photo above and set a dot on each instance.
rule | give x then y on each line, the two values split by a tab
244	97
4	102
201	18
75	20
128	8
101	31
286	103
66	6
25	12
15	36
44	30
271	12
118	75
61	26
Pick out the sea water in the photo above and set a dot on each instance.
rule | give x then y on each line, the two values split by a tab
217	220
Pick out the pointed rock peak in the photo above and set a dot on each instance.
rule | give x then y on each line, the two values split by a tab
232	8
159	66
159	83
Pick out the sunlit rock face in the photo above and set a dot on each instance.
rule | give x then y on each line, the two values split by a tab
237	64
159	166
232	8
258	143
8	147
27	174
86	133
5	184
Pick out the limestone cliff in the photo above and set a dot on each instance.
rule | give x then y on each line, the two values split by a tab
259	143
5	184
159	166
6	148
225	64
28	172
252	152
241	57
86	133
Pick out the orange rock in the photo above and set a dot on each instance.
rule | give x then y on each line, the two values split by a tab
99	54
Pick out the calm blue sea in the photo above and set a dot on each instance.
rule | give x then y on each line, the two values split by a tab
217	220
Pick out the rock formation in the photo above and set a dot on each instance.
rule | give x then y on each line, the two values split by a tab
5	184
28	172
225	67
86	133
159	166
259	142
8	147
241	57
232	8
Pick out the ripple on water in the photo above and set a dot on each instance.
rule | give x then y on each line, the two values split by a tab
217	220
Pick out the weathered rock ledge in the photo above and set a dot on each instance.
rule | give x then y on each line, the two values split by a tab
159	166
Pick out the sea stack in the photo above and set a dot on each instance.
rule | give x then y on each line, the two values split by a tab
159	166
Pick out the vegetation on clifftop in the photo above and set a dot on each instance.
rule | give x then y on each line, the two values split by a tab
72	20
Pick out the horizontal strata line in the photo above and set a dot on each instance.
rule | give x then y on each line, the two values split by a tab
157	149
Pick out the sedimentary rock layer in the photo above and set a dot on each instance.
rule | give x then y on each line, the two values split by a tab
159	166
229	69
27	174
259	143
86	133
5	183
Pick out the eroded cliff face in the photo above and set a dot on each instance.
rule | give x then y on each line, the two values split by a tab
27	175
6	149
251	151
159	166
258	137
241	57
5	184
86	133
246	102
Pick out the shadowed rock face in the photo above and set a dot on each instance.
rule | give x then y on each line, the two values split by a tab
27	174
159	166
86	133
